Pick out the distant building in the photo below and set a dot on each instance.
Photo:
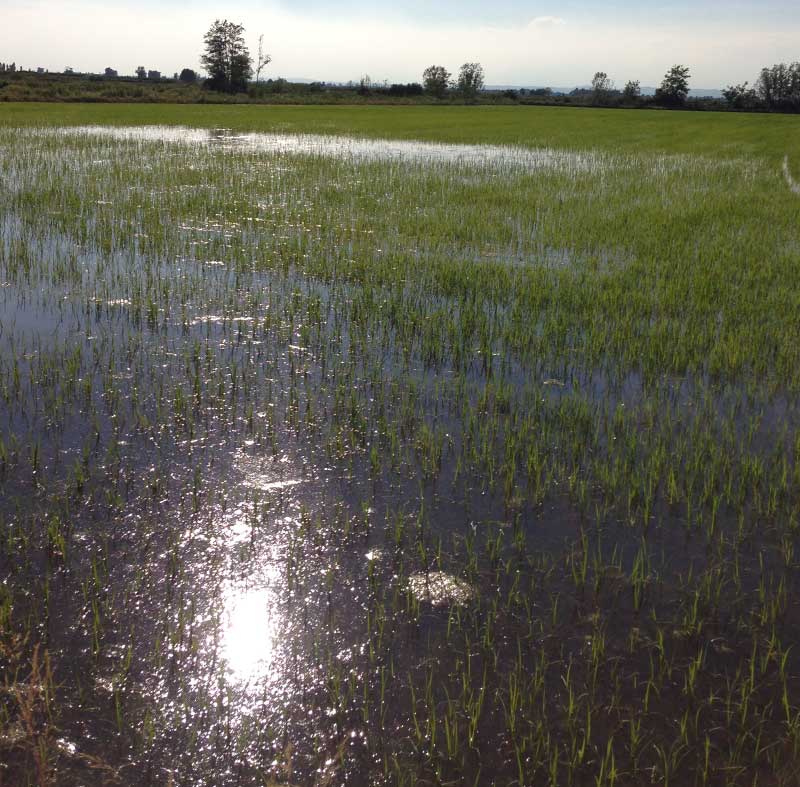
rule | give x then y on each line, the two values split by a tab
154	75
40	70
111	73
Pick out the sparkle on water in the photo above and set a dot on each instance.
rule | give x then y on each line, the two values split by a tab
495	159
439	589
248	631
491	156
250	600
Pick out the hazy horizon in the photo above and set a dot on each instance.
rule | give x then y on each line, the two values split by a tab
518	43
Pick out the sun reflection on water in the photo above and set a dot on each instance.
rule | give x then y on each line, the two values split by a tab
248	631
252	611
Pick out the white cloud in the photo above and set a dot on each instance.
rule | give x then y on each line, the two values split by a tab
90	35
547	21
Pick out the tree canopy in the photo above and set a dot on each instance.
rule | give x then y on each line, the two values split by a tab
675	86
436	80
601	86
779	86
632	91
470	79
226	57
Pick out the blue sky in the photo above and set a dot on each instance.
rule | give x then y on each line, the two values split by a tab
525	43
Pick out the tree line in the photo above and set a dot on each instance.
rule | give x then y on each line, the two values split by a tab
674	89
231	69
777	88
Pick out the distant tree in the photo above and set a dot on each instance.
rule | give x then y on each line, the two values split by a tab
226	57
436	80
601	87
632	92
400	90
779	86
364	85
263	58
110	73
740	96
674	87
141	72
279	85
470	80
188	76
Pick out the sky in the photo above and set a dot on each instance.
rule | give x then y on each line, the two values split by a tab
559	43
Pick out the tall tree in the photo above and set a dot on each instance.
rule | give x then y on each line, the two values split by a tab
226	57
601	87
470	79
436	80
675	86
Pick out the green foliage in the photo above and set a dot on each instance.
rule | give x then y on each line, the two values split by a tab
436	80
601	87
675	87
779	86
741	96
632	92
226	57
470	80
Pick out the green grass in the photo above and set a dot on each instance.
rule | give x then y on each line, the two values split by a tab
262	405
645	131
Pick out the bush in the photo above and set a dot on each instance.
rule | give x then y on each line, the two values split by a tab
401	91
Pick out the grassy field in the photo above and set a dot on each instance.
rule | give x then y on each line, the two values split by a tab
343	462
626	131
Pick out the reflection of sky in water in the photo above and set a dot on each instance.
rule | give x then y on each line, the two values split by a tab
357	149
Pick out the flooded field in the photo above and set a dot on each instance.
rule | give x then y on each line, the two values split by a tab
327	461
